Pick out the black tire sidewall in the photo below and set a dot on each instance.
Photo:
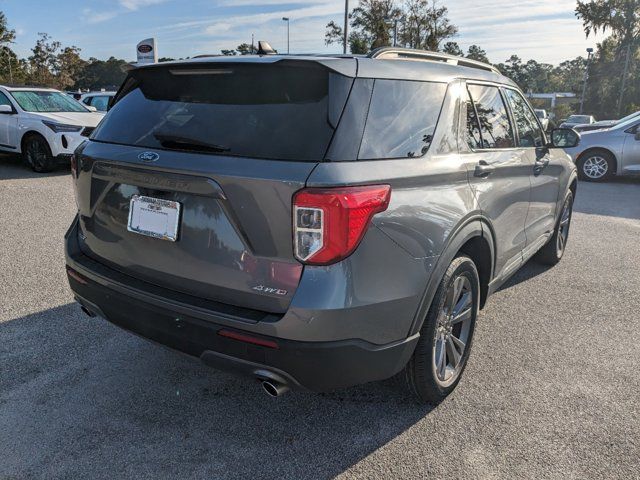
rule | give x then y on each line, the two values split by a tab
425	386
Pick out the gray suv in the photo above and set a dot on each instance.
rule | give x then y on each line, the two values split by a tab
315	221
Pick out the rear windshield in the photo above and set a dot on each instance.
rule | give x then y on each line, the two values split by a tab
285	111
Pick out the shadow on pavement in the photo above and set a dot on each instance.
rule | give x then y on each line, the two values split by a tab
12	167
619	197
80	396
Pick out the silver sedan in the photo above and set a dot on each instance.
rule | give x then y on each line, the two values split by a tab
603	153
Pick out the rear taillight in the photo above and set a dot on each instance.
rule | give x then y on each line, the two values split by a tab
329	223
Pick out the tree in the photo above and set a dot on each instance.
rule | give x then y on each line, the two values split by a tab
452	48
476	53
7	35
371	24
426	25
229	53
44	61
621	17
68	66
246	49
99	74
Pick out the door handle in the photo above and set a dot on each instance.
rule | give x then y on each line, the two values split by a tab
541	164
483	169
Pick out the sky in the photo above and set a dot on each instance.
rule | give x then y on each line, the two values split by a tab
546	30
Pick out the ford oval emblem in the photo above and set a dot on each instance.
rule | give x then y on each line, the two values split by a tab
148	156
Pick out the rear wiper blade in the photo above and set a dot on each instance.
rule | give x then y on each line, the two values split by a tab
183	143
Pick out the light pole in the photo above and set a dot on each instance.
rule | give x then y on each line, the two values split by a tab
286	19
346	27
586	77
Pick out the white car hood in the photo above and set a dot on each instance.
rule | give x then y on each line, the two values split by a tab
83	119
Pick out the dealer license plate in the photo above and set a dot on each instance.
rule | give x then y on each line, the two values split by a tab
154	217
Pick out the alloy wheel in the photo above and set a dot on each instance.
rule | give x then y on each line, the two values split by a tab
452	331
36	154
595	167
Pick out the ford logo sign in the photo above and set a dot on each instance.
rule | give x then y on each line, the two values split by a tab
148	156
144	48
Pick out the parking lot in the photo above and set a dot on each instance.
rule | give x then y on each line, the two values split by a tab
552	389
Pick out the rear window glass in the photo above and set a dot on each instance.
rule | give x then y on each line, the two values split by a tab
402	119
283	111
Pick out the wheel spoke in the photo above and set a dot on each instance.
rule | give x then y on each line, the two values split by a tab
458	284
462	316
453	352
441	360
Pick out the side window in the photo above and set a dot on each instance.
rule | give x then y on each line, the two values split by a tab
402	119
4	100
474	140
529	132
495	127
100	103
87	101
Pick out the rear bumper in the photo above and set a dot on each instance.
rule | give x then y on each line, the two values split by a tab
317	366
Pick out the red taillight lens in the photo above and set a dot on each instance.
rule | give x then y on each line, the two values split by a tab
328	223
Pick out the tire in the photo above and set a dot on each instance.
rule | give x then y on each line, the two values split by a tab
553	251
423	375
37	154
596	166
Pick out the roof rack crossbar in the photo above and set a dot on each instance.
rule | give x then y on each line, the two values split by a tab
391	53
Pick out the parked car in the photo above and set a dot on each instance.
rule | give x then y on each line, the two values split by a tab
575	120
42	124
603	153
603	124
331	228
543	116
98	100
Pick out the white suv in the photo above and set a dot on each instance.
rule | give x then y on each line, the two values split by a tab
43	124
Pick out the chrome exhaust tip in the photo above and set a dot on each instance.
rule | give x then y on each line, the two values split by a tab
274	389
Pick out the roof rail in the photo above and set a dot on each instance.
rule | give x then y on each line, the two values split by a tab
397	53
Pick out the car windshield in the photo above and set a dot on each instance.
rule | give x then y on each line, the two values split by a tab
540	113
578	119
44	101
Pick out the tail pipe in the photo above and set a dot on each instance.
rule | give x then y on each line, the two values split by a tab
274	389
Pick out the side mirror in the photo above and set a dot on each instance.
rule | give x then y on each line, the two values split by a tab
637	137
564	138
6	109
91	108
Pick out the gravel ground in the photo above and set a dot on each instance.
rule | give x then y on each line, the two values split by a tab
552	389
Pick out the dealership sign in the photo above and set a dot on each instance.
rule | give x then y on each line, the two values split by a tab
146	51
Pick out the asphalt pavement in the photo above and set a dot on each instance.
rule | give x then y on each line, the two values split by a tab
552	389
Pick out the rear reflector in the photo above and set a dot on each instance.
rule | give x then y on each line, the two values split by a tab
329	223
76	276
248	338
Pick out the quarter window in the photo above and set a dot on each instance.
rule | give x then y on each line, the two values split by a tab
402	119
529	132
492	118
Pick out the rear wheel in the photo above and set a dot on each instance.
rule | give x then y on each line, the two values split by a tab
442	351
36	152
553	251
596	166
